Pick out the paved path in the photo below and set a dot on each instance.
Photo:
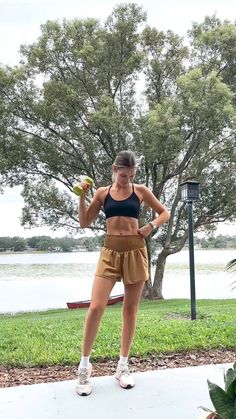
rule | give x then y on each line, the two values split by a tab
161	394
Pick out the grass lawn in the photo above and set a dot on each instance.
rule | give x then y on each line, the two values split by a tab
54	337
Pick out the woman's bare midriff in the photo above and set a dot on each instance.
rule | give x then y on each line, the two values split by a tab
122	226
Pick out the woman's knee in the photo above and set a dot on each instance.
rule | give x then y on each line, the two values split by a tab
96	310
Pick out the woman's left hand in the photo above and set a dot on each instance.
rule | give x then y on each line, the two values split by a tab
145	230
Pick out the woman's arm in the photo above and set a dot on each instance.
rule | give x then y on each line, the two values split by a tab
86	213
163	214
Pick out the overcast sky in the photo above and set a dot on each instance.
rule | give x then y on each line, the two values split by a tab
20	22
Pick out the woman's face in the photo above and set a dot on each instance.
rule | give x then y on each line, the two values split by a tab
124	176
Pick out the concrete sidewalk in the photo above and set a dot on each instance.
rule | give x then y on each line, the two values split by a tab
161	394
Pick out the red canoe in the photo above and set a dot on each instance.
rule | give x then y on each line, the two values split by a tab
81	304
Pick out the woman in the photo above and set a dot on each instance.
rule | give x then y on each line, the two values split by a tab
124	255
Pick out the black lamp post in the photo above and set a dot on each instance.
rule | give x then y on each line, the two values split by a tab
190	193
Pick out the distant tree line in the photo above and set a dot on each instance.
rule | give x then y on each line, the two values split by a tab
90	244
218	242
47	243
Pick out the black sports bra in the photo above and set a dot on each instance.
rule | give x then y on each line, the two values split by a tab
129	207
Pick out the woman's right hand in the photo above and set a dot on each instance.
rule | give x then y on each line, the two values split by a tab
82	188
86	186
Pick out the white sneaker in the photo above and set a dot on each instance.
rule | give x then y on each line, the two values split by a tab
84	386
125	378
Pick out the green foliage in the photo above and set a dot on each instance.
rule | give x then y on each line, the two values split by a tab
224	401
75	100
214	47
46	243
165	55
19	245
95	242
16	244
216	242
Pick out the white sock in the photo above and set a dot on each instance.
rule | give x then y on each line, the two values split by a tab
123	360
84	362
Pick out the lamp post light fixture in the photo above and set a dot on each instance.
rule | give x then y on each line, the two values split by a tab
190	193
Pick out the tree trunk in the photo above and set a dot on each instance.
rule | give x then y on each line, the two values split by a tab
153	290
148	290
159	274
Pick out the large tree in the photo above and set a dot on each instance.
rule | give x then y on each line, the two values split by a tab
188	133
75	100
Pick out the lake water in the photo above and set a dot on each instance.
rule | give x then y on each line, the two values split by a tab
31	282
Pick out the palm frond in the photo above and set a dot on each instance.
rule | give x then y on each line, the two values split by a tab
231	267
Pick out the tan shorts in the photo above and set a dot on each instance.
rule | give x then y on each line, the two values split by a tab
123	257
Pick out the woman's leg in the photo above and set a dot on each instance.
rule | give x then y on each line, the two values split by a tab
101	290
133	293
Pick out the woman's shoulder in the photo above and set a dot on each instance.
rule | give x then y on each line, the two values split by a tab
141	188
140	191
101	192
103	189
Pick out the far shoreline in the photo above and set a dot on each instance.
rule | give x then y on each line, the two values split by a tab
33	252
